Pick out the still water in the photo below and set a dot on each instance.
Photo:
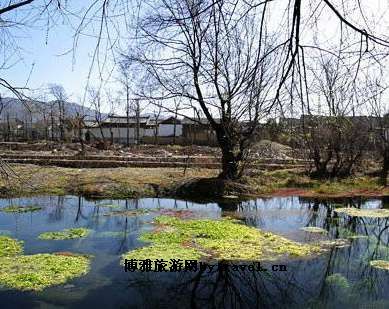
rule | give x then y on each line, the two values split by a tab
339	278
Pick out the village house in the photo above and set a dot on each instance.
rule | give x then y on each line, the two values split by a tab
149	130
133	130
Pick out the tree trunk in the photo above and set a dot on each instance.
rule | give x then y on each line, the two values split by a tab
385	169
232	157
231	165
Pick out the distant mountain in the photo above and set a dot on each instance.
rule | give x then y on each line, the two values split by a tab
35	110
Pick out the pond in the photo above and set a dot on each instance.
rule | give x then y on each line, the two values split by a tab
339	277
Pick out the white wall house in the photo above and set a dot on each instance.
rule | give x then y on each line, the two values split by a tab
116	128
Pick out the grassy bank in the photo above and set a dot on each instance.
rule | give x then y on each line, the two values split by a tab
141	182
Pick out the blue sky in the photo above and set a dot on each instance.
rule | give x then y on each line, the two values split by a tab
49	65
48	57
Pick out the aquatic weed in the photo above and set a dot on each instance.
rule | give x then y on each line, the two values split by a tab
65	234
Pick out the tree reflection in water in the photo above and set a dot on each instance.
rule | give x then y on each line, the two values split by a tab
339	278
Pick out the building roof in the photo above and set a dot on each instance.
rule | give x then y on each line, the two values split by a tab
143	120
170	120
197	121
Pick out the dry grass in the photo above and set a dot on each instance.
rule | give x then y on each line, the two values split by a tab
151	182
102	182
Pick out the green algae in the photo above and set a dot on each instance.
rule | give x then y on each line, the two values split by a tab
10	246
224	239
338	281
39	271
370	213
314	229
380	264
65	234
20	209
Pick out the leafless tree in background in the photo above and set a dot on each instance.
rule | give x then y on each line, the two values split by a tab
60	99
379	109
124	80
335	140
96	105
156	116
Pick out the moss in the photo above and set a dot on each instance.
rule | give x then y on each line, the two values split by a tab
370	213
338	281
66	234
380	264
313	229
21	209
39	271
10	246
220	239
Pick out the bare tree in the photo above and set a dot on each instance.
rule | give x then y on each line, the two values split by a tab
78	124
124	79
334	137
176	110
220	60
60	99
137	110
157	115
96	104
379	110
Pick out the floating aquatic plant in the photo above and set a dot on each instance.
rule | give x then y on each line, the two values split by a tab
20	209
313	229
66	234
370	213
39	271
381	264
10	246
338	281
220	239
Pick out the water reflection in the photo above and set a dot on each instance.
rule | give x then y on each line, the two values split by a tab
339	278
